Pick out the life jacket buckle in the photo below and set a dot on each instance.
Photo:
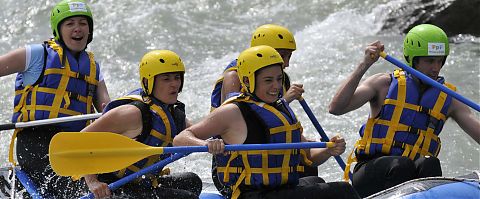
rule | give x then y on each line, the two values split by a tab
433	123
80	76
92	89
413	130
424	110
73	96
398	144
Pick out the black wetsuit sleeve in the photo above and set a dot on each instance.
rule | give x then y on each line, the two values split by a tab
179	116
287	81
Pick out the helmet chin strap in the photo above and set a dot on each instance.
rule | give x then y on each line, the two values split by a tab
156	99
150	97
253	96
256	98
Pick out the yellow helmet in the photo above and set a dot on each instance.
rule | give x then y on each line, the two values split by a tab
252	60
276	36
158	62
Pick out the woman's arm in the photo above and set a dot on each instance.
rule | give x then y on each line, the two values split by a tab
13	62
319	155
226	121
102	96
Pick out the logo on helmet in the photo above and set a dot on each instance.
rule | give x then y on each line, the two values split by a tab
436	49
77	7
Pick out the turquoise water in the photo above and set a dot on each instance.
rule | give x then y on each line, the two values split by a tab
330	35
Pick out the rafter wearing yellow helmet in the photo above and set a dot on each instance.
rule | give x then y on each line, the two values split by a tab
228	85
153	116
259	116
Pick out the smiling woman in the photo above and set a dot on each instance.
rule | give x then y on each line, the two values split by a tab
269	84
74	32
55	79
259	116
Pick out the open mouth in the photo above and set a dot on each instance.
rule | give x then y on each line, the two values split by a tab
79	38
273	93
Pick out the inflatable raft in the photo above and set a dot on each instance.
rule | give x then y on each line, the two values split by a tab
466	187
463	187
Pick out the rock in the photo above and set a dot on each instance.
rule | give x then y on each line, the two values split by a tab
454	17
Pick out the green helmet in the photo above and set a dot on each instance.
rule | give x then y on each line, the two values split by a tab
70	8
425	40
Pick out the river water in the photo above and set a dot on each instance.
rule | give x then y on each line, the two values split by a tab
331	36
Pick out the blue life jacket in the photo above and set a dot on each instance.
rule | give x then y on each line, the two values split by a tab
162	127
66	87
409	122
264	169
216	97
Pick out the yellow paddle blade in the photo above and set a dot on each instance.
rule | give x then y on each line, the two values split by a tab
78	154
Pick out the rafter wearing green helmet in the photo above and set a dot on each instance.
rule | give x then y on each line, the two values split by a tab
56	78
425	40
401	139
70	8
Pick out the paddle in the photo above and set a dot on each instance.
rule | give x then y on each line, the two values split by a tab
77	154
29	185
150	169
320	131
49	121
22	176
430	81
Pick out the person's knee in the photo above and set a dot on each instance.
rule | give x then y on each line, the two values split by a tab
333	190
430	161
402	169
194	178
428	167
381	173
310	180
346	190
195	182
184	194
402	164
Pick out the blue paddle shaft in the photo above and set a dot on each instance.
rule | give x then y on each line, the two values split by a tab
321	132
247	147
28	184
150	169
430	81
